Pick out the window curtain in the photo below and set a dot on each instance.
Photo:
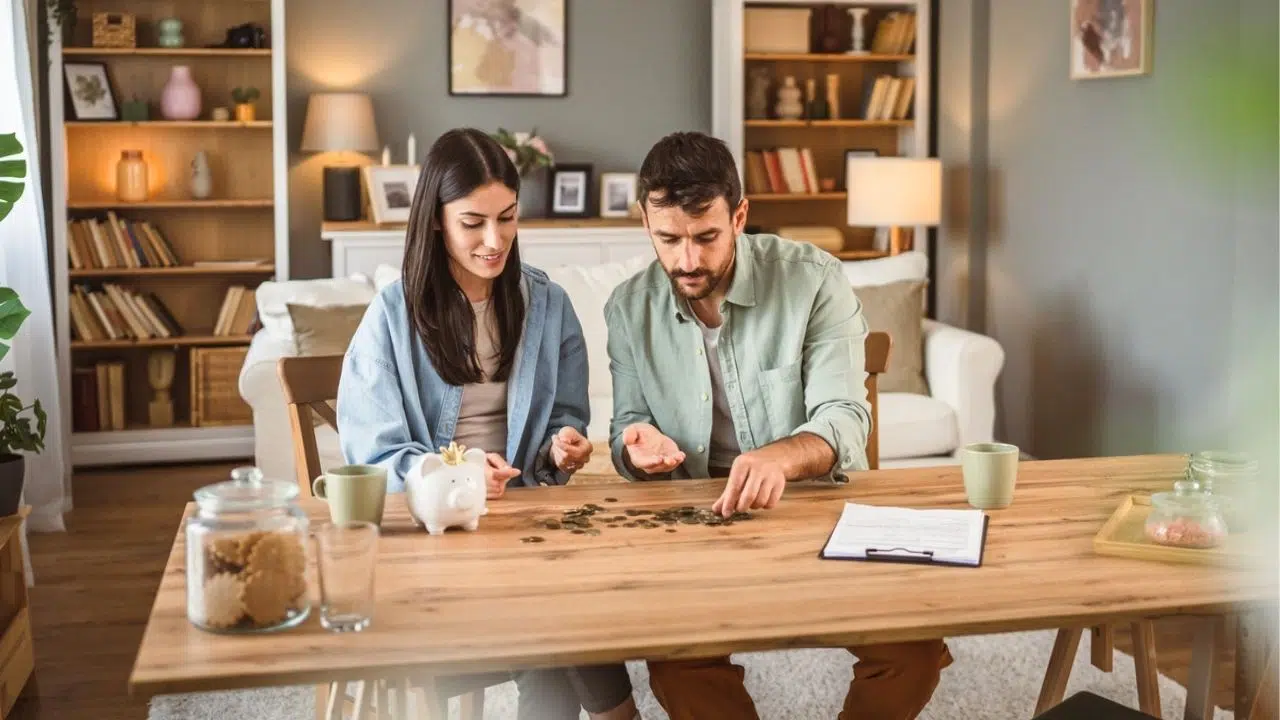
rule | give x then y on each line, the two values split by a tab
24	266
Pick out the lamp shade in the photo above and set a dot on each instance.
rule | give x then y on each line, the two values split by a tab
339	121
893	191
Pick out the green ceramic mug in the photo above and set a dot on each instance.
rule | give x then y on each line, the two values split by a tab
990	474
355	493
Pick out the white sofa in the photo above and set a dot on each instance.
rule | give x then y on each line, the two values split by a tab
961	367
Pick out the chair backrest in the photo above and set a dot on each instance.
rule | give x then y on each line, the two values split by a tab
877	359
309	383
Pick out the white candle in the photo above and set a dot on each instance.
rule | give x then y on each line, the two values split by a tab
386	155
413	149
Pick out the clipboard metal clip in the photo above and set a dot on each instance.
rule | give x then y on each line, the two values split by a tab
900	552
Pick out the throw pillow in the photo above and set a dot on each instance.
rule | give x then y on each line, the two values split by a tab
324	329
897	308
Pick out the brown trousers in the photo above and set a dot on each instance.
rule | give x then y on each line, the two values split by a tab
890	682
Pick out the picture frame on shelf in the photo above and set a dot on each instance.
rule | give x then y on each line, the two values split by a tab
390	189
90	94
617	194
537	31
570	195
1110	38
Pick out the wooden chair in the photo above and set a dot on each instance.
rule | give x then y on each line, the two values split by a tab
876	348
309	384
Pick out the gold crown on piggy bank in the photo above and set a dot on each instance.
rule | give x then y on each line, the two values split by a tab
452	455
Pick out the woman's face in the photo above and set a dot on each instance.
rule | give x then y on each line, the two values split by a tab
479	230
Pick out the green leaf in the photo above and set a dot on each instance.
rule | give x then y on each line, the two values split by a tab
7	381
12	313
42	420
11	166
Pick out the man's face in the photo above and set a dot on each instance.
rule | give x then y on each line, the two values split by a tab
696	252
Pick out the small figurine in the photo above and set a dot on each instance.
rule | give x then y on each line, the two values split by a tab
789	106
859	47
447	489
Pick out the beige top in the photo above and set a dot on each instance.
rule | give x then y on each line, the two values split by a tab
482	419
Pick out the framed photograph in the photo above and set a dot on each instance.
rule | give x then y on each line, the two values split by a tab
570	191
508	47
390	189
617	194
89	95
1110	38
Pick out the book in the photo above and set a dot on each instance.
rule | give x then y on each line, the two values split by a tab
896	534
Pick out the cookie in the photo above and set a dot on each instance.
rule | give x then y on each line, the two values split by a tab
267	597
222	606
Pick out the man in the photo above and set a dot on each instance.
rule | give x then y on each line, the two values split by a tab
741	356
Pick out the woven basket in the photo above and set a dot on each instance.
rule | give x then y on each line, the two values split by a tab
115	30
215	391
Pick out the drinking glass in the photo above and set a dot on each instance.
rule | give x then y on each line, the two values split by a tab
345	561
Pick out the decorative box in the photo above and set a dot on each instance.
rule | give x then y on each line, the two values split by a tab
115	30
215	394
776	30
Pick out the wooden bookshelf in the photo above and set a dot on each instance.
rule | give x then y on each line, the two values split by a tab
138	283
793	167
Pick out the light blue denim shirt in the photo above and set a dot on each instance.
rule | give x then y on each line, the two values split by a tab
392	406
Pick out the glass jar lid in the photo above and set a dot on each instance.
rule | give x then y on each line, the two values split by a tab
246	491
1186	498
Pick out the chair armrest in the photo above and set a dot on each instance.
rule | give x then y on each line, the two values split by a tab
961	368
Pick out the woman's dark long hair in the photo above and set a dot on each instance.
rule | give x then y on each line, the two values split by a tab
459	162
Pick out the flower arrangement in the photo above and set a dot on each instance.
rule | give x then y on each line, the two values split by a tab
526	149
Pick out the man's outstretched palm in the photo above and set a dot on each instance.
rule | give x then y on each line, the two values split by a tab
649	451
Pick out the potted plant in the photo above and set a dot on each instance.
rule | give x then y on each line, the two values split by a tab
244	98
63	19
530	154
16	432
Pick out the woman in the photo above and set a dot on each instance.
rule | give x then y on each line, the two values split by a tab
467	333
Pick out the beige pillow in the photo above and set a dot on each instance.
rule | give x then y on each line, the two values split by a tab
897	308
324	329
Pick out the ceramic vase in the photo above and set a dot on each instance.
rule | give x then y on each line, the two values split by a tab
169	33
789	106
201	177
758	95
131	177
180	99
534	193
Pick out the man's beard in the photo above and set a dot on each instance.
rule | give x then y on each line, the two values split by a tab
713	282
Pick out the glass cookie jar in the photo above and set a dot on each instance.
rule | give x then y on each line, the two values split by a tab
1185	517
247	556
1230	478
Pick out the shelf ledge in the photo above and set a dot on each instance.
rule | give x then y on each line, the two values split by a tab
183	341
111	204
174	124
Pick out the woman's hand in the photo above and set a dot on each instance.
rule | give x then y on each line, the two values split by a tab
570	450
496	474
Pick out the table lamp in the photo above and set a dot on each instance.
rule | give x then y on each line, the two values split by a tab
338	122
899	192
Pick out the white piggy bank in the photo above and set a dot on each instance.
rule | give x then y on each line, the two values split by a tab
447	489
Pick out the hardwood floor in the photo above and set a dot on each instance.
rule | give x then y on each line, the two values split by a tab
95	585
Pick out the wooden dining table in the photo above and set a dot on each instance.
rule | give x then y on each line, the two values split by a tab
494	599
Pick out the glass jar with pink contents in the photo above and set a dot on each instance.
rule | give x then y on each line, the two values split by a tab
1185	517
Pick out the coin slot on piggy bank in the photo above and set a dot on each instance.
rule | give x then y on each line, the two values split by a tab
447	489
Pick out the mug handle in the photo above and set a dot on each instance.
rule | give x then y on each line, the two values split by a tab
317	486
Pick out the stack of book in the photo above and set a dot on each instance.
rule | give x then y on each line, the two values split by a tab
98	397
889	98
784	170
895	33
115	242
113	312
238	314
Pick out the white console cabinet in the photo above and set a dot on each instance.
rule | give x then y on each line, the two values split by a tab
362	247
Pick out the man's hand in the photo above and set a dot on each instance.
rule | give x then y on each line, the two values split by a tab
649	451
756	480
496	474
569	449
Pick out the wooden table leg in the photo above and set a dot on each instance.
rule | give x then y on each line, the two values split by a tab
1102	645
1059	670
1203	673
1255	641
1144	666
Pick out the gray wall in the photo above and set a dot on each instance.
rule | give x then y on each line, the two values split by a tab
1127	236
637	70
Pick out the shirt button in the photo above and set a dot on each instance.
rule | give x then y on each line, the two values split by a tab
699	351
704	397
700	448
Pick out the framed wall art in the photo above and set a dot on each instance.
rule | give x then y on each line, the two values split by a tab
1110	38
508	47
570	191
390	189
617	194
89	93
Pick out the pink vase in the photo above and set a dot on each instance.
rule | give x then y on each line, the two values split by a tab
180	99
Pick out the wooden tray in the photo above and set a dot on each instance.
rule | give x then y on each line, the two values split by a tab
1123	535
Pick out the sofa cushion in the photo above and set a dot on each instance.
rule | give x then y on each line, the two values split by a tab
880	271
897	309
326	329
915	426
273	298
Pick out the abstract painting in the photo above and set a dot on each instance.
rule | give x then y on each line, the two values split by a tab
1110	38
508	47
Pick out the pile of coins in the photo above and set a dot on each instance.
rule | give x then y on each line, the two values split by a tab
582	520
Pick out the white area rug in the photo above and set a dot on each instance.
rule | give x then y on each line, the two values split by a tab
995	677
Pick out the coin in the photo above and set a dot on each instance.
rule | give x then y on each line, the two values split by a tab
671	529
531	539
578	531
611	499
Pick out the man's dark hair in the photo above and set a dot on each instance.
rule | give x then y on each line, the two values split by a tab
689	170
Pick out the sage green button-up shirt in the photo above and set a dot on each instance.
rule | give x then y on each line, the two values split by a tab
791	353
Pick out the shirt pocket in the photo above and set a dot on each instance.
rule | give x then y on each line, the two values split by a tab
783	398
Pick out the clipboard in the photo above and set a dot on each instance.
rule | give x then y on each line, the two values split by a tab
908	555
